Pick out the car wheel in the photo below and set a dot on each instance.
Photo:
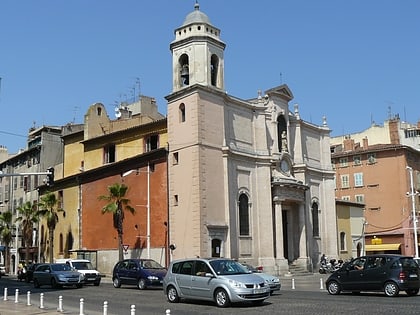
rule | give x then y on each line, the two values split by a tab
141	284
412	292
222	298
54	283
116	282
79	285
172	295
333	287
391	289
36	283
96	283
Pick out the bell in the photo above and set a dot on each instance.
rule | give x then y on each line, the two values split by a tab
185	71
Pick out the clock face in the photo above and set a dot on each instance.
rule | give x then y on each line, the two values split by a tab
284	166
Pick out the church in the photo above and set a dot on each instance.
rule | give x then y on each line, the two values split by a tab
247	179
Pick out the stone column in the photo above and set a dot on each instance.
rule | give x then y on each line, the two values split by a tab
279	230
303	253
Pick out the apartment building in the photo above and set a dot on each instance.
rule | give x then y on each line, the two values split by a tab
383	174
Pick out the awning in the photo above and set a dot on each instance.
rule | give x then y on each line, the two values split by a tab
382	247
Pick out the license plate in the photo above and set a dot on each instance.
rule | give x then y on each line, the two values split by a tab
258	291
413	276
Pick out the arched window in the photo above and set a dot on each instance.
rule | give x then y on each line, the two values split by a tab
214	66
182	112
281	127
243	215
342	241
315	219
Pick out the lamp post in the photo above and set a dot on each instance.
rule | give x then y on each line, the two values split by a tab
413	207
147	205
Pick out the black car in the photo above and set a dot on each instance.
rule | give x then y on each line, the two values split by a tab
144	273
388	273
30	272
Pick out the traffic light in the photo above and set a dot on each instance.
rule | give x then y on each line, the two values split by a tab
50	176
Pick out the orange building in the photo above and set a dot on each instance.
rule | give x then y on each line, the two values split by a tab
378	176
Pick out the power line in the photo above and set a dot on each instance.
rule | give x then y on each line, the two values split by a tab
12	134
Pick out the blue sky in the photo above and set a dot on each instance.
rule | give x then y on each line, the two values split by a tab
356	62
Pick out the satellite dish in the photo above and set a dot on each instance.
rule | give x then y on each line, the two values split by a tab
117	112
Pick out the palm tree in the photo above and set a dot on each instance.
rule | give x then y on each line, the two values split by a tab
29	215
116	206
49	209
6	235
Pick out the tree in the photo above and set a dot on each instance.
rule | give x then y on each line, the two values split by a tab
6	234
118	203
49	210
28	215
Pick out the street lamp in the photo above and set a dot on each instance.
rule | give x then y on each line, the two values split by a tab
147	205
413	207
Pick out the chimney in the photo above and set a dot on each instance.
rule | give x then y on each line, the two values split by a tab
365	143
348	144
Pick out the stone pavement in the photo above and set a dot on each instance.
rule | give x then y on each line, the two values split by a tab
311	282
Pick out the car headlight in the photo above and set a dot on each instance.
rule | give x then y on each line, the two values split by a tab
236	284
152	278
82	277
62	277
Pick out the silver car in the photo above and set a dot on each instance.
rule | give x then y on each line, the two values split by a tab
272	281
57	275
221	280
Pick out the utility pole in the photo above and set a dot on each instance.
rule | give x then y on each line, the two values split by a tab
413	207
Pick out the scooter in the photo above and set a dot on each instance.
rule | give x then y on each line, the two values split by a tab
331	266
21	274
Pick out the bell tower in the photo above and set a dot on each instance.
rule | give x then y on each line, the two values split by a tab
197	53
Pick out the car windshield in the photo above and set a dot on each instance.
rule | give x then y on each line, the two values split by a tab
83	265
60	267
228	267
151	264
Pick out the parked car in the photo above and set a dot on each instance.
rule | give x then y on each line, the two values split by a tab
30	272
221	280
144	273
388	273
272	281
56	275
85	267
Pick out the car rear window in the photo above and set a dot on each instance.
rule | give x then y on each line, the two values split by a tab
408	262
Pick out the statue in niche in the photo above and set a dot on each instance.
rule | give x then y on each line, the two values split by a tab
284	142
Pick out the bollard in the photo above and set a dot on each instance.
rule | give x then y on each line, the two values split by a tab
5	294
168	312
81	306
321	285
60	304
41	300
106	308
28	298
293	284
133	310
17	296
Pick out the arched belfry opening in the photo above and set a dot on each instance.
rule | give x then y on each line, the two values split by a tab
184	70
214	66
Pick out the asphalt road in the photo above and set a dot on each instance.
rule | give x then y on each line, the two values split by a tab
304	295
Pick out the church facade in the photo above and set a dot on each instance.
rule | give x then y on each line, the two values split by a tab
248	179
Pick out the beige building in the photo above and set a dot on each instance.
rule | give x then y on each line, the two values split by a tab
248	179
350	229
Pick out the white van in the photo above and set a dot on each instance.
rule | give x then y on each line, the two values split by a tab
84	266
